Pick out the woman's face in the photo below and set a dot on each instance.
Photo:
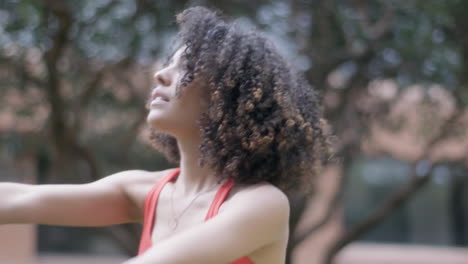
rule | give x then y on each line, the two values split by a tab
170	114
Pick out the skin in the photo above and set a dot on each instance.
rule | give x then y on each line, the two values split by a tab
253	221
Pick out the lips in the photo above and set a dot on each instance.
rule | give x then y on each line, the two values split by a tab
159	96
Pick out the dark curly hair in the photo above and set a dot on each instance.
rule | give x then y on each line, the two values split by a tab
264	120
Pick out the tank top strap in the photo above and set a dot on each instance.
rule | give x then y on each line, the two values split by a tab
220	196
151	201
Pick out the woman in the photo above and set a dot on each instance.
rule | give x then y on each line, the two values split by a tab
244	129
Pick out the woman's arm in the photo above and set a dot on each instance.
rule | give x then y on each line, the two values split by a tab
251	221
103	202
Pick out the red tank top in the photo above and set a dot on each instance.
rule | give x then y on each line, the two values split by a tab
150	211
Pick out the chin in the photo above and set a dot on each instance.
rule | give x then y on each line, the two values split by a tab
162	124
172	124
157	122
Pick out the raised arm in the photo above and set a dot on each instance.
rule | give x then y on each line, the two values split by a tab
111	200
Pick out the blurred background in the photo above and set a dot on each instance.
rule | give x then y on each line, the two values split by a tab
75	75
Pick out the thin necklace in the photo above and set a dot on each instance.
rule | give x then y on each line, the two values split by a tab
175	220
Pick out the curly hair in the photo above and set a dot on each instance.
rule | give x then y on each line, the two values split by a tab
264	120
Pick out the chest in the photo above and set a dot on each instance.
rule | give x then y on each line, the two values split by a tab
174	214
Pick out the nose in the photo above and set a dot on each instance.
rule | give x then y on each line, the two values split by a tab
162	77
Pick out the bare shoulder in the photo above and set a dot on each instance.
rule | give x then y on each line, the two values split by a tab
262	197
135	177
263	190
136	184
262	208
131	179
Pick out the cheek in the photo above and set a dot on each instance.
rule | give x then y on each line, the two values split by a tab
190	110
194	99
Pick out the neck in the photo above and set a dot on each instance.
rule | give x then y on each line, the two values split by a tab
193	178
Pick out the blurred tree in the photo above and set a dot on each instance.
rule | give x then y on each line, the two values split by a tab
350	43
79	74
74	76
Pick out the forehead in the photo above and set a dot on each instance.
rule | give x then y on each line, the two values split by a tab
171	58
175	57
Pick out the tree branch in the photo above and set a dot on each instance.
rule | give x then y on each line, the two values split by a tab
51	57
377	29
90	89
421	173
21	70
298	205
329	212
